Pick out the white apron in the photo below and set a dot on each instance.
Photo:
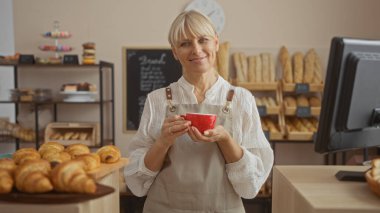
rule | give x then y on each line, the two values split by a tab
194	178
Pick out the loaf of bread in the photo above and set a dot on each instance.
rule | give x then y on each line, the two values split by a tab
77	149
25	154
244	66
286	65
265	67
238	67
302	101
251	69
317	70
298	67
272	70
259	102
70	176
6	181
309	66
33	177
314	101
290	101
271	126
91	160
223	60
109	154
258	69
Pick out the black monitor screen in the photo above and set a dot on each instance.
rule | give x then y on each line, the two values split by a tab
350	114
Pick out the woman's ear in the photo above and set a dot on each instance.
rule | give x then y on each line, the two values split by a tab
217	43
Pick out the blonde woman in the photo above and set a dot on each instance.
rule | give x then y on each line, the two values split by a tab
177	167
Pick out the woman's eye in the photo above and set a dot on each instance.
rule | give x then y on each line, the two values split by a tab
185	44
203	40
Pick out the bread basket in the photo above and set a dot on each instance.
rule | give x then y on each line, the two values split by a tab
372	183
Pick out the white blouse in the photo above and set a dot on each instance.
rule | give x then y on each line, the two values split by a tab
246	175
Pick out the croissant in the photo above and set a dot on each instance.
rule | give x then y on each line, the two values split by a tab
77	149
6	181
91	160
109	154
33	177
70	176
56	157
50	147
7	164
25	154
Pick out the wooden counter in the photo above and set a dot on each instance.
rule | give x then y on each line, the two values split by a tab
108	175
304	189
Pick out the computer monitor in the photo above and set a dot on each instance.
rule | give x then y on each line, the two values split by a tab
350	114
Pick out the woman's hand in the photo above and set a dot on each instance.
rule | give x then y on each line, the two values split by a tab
172	128
218	134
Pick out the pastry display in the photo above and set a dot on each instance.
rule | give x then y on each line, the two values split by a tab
71	176
89	53
109	154
57	34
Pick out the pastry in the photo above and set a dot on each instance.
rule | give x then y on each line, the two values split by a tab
298	67
68	135
77	149
290	101
56	157
109	154
91	160
50	147
317	70
6	181
33	177
7	164
25	154
70	176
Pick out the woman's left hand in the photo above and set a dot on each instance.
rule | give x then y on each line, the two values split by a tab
218	134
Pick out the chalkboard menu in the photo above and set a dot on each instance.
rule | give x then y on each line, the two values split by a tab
145	70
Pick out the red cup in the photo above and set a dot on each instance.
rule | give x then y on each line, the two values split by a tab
201	121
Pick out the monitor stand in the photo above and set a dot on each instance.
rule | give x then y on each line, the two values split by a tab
351	176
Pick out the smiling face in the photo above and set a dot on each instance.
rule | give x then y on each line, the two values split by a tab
194	42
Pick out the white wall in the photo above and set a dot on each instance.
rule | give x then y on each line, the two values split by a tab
251	25
6	74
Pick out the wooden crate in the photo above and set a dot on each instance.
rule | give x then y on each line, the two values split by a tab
53	130
291	87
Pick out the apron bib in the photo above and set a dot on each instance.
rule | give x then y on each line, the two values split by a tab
193	177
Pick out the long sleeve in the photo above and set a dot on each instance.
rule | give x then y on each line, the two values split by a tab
249	173
137	177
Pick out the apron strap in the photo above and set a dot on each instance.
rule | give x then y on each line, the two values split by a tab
227	107
169	98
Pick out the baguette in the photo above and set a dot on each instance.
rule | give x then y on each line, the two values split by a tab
298	67
223	60
265	67
251	69
309	66
258	69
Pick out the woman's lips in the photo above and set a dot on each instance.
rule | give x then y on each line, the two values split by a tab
197	59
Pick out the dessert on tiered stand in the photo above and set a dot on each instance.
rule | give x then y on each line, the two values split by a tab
57	48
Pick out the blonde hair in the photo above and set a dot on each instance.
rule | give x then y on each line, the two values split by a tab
189	24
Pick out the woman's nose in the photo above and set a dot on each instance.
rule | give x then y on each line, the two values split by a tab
196	48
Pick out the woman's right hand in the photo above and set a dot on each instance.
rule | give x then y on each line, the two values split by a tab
172	128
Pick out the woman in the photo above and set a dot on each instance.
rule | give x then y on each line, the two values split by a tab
178	168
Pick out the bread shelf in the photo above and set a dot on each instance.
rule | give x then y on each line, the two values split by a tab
314	111
291	87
